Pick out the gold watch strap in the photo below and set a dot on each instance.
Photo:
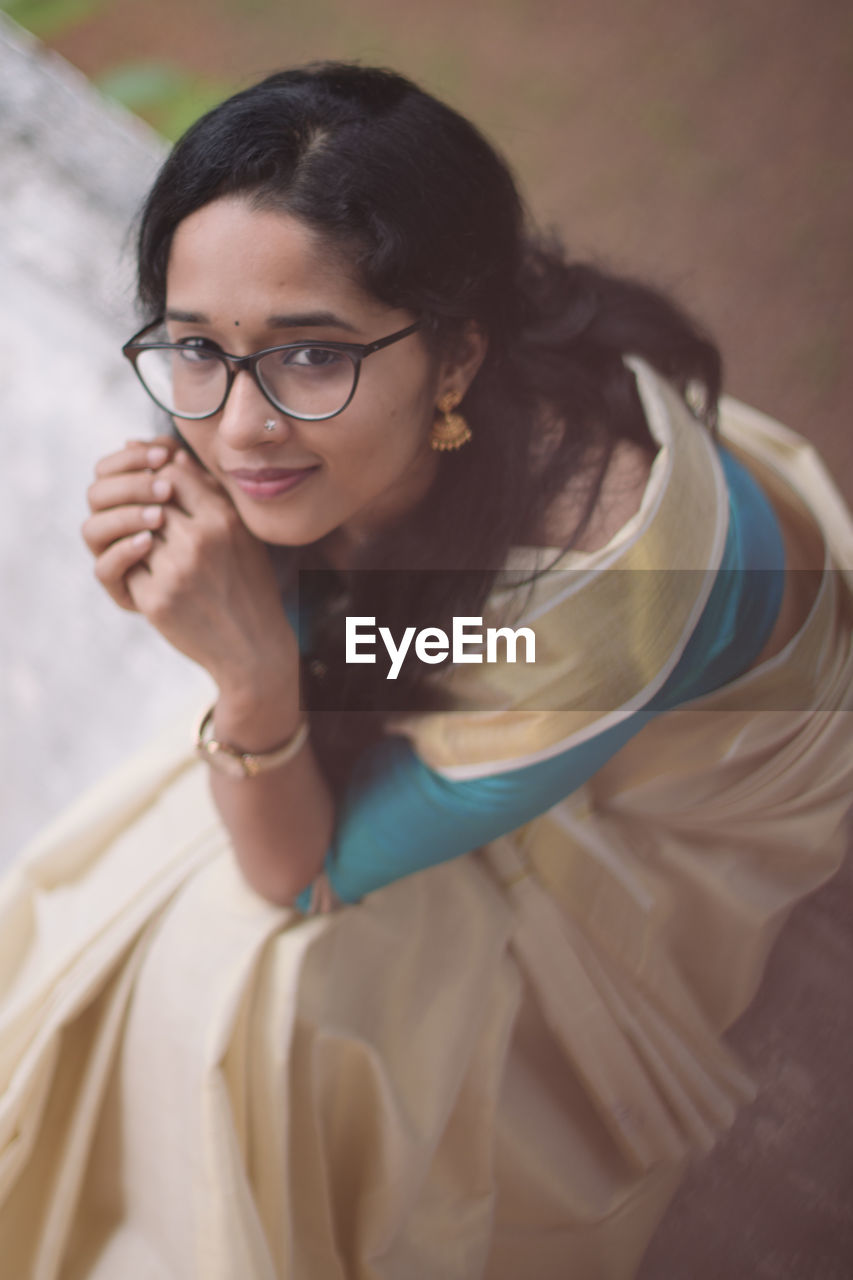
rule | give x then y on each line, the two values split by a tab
244	763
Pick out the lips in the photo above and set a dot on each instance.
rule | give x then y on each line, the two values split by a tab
257	474
270	482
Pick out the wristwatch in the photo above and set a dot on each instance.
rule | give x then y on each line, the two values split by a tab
244	764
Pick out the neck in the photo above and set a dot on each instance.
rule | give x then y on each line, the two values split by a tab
339	549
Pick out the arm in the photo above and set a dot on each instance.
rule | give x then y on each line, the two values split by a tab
281	822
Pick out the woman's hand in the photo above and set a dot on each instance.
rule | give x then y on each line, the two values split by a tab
126	504
169	543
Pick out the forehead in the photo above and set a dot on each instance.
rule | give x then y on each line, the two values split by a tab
231	256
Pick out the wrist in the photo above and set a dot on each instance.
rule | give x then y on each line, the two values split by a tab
256	722
245	764
259	681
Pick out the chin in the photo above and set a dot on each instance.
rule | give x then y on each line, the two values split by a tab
270	528
272	532
282	540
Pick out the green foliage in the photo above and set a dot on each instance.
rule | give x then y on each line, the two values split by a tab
167	97
141	85
49	18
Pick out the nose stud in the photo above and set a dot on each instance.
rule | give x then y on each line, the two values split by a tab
270	424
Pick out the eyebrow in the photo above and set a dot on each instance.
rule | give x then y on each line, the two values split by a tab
295	320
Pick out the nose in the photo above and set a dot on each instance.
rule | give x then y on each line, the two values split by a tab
242	418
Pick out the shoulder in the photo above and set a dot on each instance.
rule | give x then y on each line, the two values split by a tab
619	498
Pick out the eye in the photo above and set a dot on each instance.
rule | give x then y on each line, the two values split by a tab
313	358
197	351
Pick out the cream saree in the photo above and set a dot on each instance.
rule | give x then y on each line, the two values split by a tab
495	1067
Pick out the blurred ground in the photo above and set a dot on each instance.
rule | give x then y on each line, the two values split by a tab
774	1201
704	146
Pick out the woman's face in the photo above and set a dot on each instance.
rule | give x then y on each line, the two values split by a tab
249	279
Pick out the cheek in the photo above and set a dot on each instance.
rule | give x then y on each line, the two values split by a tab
404	423
385	439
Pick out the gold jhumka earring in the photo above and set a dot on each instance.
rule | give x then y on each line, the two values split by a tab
450	431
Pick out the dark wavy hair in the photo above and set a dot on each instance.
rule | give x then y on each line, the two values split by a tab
429	214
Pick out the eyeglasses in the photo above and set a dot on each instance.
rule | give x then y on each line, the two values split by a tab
308	380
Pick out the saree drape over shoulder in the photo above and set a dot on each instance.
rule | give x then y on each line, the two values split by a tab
495	1067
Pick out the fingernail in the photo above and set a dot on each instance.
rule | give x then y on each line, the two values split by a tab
151	515
161	489
141	539
182	457
157	455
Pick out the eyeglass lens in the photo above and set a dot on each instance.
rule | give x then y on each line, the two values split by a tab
191	381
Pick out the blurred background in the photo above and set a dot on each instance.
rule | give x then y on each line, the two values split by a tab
704	146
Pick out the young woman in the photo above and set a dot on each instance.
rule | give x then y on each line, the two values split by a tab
394	405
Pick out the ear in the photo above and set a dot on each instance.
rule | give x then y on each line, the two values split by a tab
461	362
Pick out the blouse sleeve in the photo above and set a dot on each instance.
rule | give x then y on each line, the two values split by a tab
400	816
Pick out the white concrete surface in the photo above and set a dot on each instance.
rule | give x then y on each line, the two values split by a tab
82	683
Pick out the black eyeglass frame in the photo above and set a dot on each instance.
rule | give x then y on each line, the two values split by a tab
357	351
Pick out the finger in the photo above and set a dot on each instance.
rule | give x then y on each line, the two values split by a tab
117	561
105	527
138	455
134	583
168	439
130	488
